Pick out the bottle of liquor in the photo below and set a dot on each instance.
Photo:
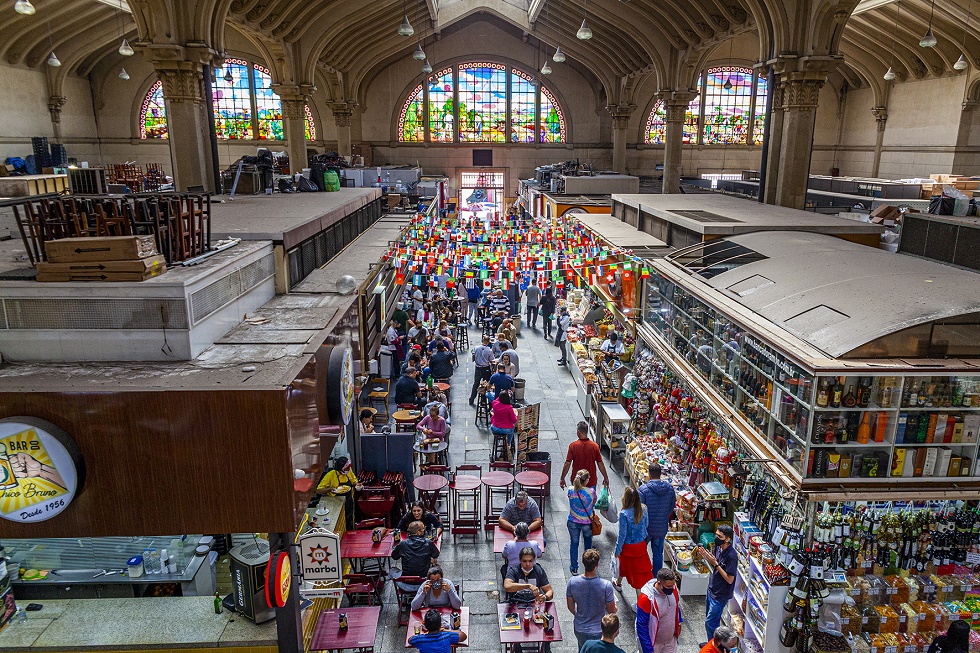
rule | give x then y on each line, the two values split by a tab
864	392
850	399
837	393
823	393
864	430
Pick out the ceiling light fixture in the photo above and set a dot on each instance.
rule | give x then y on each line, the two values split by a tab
123	74
962	63
890	73
125	49
405	29
928	39
419	54
546	69
24	7
728	84
228	76
426	67
584	33
559	55
53	60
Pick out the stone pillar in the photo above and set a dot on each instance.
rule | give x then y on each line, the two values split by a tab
775	140
187	123
801	92
342	112
675	112
55	102
621	114
881	118
294	127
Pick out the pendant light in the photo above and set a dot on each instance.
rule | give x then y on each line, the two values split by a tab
928	39
419	54
123	74
962	63
890	73
559	55
546	69
24	7
584	33
228	76
728	80
728	84
405	29
125	49
53	60
426	67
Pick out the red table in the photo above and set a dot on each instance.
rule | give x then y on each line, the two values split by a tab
501	537
535	635
466	520
429	487
531	478
494	480
497	478
417	616
357	546
362	626
465	483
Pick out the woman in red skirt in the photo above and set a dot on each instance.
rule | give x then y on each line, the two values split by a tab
631	546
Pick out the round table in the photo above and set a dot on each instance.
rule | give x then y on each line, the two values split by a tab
406	415
429	487
465	483
495	480
441	387
465	495
434	453
531	478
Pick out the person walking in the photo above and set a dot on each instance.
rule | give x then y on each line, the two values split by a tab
532	300
547	309
658	614
610	630
482	356
562	336
473	302
589	599
660	499
721	586
583	453
581	507
631	544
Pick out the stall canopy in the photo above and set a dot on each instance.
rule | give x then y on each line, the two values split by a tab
848	300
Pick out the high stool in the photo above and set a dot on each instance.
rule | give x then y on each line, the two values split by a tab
499	485
461	338
501	448
482	407
488	327
465	499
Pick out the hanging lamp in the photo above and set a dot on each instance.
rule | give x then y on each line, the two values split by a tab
123	74
962	63
928	39
890	73
584	33
559	56
53	60
405	29
228	76
24	7
125	49
419	54
426	67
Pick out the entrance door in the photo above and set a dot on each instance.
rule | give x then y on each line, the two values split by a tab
481	194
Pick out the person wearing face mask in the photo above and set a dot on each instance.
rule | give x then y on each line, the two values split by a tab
658	614
721	587
528	581
724	641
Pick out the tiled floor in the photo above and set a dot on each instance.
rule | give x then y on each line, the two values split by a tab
475	563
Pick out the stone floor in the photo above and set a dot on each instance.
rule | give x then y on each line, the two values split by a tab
475	564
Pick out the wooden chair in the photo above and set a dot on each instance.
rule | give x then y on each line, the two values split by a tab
378	399
363	587
110	220
369	524
405	597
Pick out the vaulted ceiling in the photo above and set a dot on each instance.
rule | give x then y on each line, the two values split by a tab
350	41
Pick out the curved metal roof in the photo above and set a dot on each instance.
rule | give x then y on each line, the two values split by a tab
838	295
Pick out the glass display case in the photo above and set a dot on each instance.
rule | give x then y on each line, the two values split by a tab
882	420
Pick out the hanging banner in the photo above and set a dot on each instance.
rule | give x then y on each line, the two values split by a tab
319	556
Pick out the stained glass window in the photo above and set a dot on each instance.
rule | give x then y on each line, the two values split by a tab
310	123
441	114
552	119
268	107
411	122
233	101
657	124
153	114
728	97
692	118
482	102
759	122
522	110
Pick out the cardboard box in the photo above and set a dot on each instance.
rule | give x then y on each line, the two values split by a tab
929	467
954	466
156	264
966	466
898	462
971	426
920	461
942	462
883	213
845	466
105	248
96	276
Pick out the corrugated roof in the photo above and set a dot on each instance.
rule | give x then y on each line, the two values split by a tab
838	295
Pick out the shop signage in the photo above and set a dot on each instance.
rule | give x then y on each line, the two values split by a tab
319	556
335	384
278	579
41	469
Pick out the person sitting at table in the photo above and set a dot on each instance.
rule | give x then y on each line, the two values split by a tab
509	368
417	554
498	345
367	420
506	350
503	418
521	508
414	360
436	639
436	593
528	581
430	521
433	425
441	362
408	390
341	481
439	401
508	332
500	381
512	548
417	333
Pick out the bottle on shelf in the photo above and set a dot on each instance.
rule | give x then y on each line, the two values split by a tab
864	430
837	393
864	391
823	393
881	425
850	399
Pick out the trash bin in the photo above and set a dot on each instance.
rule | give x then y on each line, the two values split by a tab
519	390
542	457
516	321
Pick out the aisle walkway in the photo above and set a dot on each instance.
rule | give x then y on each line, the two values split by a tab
475	563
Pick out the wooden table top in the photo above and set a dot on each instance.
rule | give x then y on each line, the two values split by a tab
430	482
417	616
531	478
362	626
441	387
497	479
502	537
465	482
358	544
406	415
536	633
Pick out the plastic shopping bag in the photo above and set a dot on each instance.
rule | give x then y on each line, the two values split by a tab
602	501
611	512
614	567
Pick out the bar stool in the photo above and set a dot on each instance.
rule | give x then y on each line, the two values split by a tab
534	481
501	448
499	484
482	405
461	337
465	498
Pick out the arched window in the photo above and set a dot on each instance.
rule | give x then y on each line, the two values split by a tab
153	113
235	103
481	102
733	111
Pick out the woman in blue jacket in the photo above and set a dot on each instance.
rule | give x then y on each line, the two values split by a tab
631	545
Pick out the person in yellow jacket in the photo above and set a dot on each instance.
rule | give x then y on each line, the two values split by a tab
341	481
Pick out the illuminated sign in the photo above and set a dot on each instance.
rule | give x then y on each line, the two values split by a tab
278	579
319	556
41	470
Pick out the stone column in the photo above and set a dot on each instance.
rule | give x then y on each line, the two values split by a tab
801	92
294	127
621	114
55	102
675	110
342	112
775	140
187	123
881	118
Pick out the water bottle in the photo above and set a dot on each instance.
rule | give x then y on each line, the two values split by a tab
146	561
154	561
22	616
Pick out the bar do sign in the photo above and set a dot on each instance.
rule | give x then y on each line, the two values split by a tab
319	556
41	469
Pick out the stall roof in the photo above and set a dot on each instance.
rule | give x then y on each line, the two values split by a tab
578	199
719	215
838	295
619	233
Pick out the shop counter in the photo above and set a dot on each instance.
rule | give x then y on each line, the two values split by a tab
163	623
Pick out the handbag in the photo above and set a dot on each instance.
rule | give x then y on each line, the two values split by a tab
594	518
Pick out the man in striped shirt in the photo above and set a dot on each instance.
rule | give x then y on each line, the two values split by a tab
499	307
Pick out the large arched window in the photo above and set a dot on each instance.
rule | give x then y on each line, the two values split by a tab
248	94
733	110
481	102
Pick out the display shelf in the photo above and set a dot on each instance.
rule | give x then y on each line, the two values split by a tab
615	425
